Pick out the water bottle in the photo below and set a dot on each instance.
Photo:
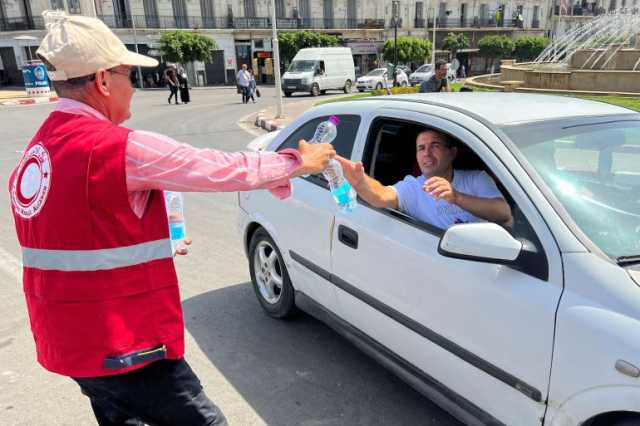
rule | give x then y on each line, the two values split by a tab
175	213
341	189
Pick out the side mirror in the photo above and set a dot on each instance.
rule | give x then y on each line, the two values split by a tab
483	242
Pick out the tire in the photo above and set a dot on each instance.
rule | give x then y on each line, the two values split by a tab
360	90
315	89
379	86
269	276
403	84
347	86
323	92
287	94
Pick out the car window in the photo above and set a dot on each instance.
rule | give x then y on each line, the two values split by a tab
343	143
593	169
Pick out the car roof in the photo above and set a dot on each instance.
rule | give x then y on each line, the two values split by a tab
499	108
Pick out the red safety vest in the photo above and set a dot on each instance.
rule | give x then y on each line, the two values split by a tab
99	282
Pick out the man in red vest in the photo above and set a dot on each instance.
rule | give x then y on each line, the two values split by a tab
99	280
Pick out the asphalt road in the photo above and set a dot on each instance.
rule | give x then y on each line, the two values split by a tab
258	370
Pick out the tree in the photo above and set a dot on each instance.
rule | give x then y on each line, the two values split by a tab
186	46
455	42
529	47
410	49
495	47
290	42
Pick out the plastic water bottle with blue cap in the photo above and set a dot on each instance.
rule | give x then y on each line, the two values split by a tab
341	189
175	212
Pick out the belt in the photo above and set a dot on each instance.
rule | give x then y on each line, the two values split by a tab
139	357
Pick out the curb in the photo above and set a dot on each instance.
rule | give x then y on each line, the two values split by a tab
30	101
268	125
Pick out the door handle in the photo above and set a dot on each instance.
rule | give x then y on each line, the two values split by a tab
348	236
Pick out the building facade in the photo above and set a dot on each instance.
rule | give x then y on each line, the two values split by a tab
242	29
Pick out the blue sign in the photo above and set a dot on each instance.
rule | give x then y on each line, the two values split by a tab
35	76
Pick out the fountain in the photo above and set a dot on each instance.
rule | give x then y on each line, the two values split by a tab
601	55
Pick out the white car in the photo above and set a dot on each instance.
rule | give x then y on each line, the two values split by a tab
536	324
380	78
425	72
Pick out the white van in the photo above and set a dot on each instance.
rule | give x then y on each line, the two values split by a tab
318	69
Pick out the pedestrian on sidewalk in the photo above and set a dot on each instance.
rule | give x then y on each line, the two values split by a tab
172	84
87	200
183	85
243	83
252	87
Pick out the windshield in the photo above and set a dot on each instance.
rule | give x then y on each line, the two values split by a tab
302	66
592	166
424	68
376	72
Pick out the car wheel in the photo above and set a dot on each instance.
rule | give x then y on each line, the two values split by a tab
287	94
323	92
403	84
360	90
269	276
347	86
315	89
378	86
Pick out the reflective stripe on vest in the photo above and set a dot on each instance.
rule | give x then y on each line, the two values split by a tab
96	260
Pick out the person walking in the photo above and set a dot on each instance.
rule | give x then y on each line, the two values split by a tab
243	83
172	84
88	206
252	87
183	86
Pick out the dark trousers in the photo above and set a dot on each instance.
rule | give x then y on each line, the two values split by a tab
173	92
165	392
245	94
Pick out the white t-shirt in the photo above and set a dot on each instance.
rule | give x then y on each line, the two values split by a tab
414	201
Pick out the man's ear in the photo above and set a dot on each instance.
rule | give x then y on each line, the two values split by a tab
102	83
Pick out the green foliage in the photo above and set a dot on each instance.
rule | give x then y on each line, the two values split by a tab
291	42
496	46
454	42
410	49
396	90
186	46
529	47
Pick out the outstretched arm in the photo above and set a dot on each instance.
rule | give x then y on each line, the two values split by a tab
369	189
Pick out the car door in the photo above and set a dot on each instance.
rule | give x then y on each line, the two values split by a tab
301	225
482	332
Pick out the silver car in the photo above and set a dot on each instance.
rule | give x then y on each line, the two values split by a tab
425	72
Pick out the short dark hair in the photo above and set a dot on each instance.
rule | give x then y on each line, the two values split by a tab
440	63
449	141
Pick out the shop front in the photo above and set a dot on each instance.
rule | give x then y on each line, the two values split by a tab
367	55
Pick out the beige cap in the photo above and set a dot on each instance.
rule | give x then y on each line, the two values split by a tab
78	46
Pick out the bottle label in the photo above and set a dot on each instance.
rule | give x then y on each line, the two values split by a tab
176	231
342	194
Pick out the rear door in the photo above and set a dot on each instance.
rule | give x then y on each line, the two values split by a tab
483	332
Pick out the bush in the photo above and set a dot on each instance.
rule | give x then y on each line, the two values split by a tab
529	47
186	46
396	90
410	49
495	47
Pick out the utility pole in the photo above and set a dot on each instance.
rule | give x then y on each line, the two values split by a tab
276	61
433	48
395	6
135	41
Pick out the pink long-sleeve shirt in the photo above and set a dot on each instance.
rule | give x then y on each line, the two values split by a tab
154	161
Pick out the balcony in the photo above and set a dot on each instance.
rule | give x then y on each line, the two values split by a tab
170	22
21	23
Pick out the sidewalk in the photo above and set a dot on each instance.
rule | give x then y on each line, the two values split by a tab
265	118
14	96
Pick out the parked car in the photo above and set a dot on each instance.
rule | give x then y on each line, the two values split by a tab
528	325
379	78
316	70
425	72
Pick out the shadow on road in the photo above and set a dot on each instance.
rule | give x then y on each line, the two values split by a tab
299	372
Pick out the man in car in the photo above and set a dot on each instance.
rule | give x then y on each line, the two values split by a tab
441	196
438	81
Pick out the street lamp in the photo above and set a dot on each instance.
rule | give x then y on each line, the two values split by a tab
395	8
276	61
135	41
